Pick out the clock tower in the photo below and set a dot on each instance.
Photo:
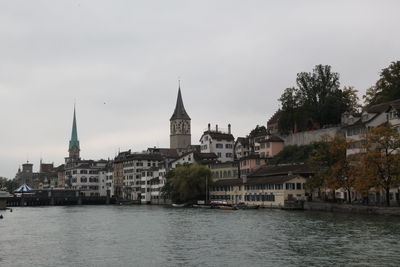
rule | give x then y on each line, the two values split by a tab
180	136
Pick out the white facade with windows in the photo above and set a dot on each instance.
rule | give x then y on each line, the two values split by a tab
138	170
85	176
356	127
219	142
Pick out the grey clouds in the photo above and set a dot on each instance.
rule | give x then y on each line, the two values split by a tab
121	61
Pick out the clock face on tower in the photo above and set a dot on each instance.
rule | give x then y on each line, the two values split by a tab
180	127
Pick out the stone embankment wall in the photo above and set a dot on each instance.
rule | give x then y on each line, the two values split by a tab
309	137
332	207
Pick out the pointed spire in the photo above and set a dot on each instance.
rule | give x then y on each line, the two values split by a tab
180	112
74	135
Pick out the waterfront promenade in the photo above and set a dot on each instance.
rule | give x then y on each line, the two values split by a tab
143	235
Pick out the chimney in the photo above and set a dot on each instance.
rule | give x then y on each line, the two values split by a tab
216	127
209	127
229	128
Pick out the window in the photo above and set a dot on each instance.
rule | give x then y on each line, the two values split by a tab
298	186
228	155
228	145
219	145
219	154
83	180
393	115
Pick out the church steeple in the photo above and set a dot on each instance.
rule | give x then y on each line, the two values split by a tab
74	147
180	136
180	112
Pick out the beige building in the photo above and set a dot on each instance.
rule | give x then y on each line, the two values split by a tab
268	186
224	170
270	191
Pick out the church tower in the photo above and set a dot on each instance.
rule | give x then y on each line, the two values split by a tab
180	125
74	148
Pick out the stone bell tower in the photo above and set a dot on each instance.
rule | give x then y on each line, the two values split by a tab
180	136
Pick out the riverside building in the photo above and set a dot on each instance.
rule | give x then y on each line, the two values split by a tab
219	142
268	186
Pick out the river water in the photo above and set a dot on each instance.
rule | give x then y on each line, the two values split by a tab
161	236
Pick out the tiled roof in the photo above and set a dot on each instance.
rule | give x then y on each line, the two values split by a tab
219	136
277	179
379	108
202	158
166	152
272	138
141	156
271	170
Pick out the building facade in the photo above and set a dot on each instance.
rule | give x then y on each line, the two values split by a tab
219	142
270	191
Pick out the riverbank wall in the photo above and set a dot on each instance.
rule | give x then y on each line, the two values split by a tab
348	208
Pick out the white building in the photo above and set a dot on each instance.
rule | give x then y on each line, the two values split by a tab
355	127
84	175
138	170
105	180
219	142
156	185
195	157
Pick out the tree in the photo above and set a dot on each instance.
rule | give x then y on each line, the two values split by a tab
9	185
258	131
387	88
352	101
381	157
187	183
317	101
289	115
343	169
336	170
292	154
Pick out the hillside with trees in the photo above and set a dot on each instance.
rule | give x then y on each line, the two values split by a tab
387	88
317	101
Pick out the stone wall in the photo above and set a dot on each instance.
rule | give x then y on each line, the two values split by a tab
306	138
333	207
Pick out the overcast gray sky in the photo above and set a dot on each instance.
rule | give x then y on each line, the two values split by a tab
234	59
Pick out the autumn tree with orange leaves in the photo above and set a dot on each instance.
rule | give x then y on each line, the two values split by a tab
381	159
335	169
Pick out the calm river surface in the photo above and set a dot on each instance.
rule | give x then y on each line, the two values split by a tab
160	236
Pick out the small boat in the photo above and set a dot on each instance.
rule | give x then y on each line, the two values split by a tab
1	216
202	206
247	207
178	205
225	207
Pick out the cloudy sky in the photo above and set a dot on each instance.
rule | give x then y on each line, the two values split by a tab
120	61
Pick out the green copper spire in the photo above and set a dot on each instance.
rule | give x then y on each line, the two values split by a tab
74	142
